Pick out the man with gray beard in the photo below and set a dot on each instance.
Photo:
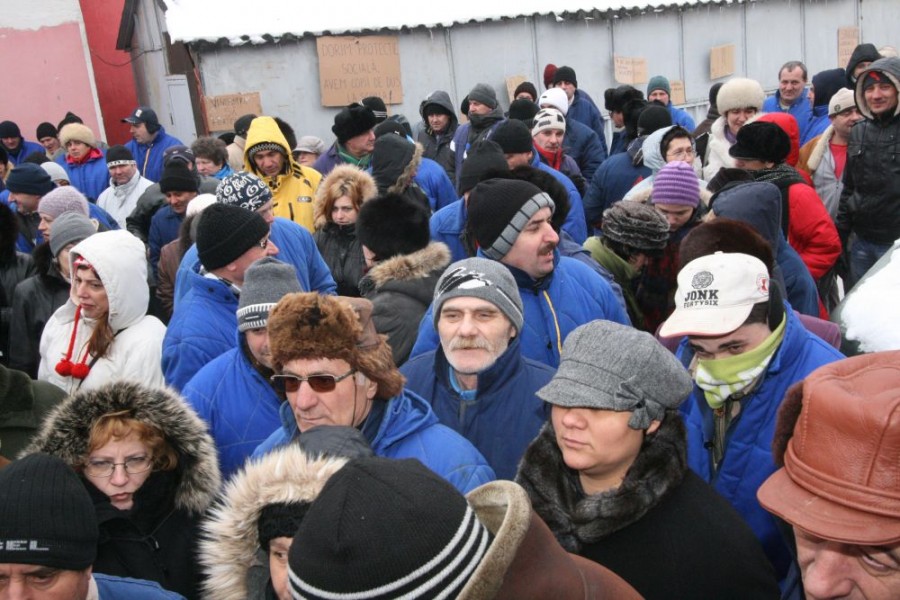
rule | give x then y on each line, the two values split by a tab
477	381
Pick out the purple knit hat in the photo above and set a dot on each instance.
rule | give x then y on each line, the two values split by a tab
676	183
61	200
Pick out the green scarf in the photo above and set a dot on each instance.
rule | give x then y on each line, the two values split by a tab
719	379
362	163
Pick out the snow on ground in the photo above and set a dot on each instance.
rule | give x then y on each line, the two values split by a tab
871	314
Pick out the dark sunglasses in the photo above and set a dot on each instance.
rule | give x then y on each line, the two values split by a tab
319	383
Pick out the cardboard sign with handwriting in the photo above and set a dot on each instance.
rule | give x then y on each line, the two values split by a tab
677	96
222	111
351	68
848	39
721	61
630	70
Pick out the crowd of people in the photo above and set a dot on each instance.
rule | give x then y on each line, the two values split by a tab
499	356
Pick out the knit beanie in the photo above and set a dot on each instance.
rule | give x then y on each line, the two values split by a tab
547	119
266	281
565	74
69	118
377	106
653	117
526	87
676	183
549	73
714	94
177	177
62	200
380	220
429	541
499	209
658	82
826	84
523	110
485	160
637	225
29	178
763	141
46	130
485	279
119	155
513	136
69	228
47	517
485	94
242	124
55	171
225	232
78	133
353	120
740	93
556	98
245	190
8	129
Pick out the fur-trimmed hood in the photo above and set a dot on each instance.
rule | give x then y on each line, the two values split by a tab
230	537
818	151
407	267
395	161
66	430
577	519
890	68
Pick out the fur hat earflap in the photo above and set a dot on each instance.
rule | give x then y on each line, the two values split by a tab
740	93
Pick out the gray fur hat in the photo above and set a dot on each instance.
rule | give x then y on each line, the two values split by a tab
610	366
266	282
480	278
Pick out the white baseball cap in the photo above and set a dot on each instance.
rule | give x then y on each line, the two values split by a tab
716	294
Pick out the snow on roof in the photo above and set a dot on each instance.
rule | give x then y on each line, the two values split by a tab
240	22
869	313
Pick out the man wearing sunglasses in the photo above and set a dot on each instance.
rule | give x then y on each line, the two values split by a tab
336	370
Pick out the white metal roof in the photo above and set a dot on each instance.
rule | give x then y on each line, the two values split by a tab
260	21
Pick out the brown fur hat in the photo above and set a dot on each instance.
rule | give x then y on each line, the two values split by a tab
725	235
344	180
788	413
311	326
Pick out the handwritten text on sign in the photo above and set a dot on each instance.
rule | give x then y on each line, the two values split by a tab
222	111
351	68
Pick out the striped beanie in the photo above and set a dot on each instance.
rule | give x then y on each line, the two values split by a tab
676	183
385	528
548	118
266	281
498	211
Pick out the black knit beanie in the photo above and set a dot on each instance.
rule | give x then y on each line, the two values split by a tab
655	116
119	155
177	177
280	519
484	160
499	210
513	137
565	74
225	232
385	528
391	225
523	110
8	129
352	121
377	106
526	87
46	515
46	130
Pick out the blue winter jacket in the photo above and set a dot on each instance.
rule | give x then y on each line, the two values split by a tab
504	416
433	180
800	108
748	452
818	123
296	247
164	227
584	110
238	405
118	588
571	296
584	146
149	157
89	178
574	223
203	327
681	117
618	144
408	429
615	177
25	148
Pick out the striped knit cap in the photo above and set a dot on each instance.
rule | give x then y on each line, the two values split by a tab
266	281
384	529
676	183
548	118
498	211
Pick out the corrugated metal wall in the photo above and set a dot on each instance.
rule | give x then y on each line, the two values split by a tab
676	43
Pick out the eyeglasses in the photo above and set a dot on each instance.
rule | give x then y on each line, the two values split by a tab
683	153
105	468
263	243
319	383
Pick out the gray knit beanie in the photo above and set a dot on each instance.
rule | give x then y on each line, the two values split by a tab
637	225
481	278
609	366
485	94
69	228
266	281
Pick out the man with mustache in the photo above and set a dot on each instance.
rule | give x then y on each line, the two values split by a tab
510	222
477	381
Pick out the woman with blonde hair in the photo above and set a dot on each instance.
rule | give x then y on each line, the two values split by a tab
338	200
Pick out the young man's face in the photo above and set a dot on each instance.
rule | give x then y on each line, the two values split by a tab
740	341
140	134
881	98
50	143
549	139
676	214
438	121
843	121
269	162
121	174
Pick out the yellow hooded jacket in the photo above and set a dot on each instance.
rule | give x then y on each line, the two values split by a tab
293	192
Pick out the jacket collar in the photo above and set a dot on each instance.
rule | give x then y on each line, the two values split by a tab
495	376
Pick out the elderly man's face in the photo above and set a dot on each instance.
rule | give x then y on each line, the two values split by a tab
474	333
44	583
838	570
348	403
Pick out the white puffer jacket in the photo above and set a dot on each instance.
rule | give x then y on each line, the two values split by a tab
119	260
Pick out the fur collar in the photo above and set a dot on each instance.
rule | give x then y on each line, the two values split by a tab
409	171
576	519
406	267
66	429
231	540
819	149
718	145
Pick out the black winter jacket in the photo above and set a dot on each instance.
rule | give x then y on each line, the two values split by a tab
342	252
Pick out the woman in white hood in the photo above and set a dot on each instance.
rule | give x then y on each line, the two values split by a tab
103	333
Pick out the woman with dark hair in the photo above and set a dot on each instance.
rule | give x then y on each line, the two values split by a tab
150	466
103	332
14	267
338	200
